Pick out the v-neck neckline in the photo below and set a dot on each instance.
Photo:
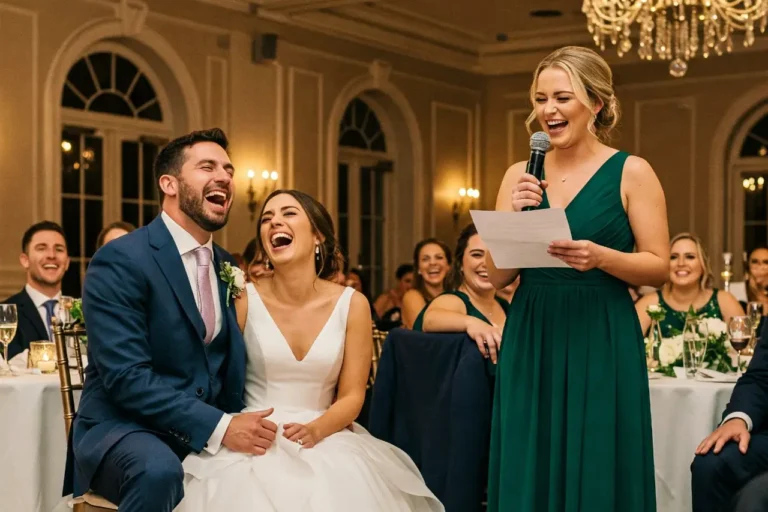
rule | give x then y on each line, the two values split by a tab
314	341
578	194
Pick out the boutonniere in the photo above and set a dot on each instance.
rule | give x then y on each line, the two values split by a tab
235	279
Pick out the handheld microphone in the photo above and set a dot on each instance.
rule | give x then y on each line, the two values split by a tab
539	146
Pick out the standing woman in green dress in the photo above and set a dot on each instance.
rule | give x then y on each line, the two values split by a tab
571	421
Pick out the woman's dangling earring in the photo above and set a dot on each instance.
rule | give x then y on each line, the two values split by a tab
266	264
317	253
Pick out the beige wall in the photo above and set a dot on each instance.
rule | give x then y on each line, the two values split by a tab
278	115
681	126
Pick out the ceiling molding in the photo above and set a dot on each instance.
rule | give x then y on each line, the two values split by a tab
300	6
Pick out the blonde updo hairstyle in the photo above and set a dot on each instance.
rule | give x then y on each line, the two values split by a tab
592	81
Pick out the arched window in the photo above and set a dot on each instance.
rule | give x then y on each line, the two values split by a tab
364	166
749	189
113	125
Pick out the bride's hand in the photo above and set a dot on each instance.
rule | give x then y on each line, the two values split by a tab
297	432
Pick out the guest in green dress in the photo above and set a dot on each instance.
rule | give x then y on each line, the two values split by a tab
571	420
432	260
690	284
471	306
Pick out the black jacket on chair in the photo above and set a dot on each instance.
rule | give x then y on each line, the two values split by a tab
31	326
433	398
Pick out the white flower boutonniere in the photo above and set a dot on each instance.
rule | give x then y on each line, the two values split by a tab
235	279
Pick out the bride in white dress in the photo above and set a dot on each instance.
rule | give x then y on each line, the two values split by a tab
309	352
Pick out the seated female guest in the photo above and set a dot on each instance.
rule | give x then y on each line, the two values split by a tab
113	231
388	305
757	281
690	283
472	306
432	259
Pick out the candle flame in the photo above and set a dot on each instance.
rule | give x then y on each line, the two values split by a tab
45	356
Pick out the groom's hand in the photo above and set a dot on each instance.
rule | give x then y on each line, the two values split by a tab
250	432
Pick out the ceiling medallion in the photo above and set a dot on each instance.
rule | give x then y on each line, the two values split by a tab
675	30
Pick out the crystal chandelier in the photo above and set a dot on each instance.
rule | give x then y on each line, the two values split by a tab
675	30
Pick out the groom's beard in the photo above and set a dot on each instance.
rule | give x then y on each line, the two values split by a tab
192	205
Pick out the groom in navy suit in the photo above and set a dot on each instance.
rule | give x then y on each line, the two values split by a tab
167	359
730	471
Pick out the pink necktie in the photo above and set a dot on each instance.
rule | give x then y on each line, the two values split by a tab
203	256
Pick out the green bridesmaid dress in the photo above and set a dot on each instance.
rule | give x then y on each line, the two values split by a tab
418	325
571	429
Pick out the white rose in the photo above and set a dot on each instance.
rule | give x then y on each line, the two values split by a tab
715	326
238	278
654	308
676	342
667	354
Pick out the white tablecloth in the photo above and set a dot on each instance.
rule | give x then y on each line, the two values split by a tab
683	413
33	443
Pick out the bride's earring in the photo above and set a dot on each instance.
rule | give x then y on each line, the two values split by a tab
266	264
317	253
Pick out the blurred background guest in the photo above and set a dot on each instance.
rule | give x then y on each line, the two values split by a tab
389	304
690	284
432	259
254	264
45	260
471	304
113	231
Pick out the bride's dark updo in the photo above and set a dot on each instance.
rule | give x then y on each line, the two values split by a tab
331	261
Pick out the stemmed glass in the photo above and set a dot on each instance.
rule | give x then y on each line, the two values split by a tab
65	309
755	313
739	332
8	323
695	335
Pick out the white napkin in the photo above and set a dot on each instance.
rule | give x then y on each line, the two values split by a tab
18	363
707	375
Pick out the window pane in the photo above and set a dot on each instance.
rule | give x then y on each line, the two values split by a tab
110	103
148	161
343	234
379	143
152	112
102	66
93	158
94	215
755	236
365	190
131	213
70	221
70	99
150	212
755	207
130	170
80	77
142	92
343	199
125	72
70	163
365	242
378	208
353	139
70	285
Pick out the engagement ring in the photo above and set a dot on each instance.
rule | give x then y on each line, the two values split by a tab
301	443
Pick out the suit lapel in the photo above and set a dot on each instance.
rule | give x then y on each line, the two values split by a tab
169	260
27	308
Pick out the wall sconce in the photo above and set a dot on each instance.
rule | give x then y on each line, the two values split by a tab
268	184
466	199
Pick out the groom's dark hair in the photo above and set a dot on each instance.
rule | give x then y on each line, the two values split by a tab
171	157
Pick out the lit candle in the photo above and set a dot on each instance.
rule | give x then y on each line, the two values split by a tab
46	365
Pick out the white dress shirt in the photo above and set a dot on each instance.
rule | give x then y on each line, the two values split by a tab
39	299
186	244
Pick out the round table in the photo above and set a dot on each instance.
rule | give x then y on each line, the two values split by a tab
683	413
34	442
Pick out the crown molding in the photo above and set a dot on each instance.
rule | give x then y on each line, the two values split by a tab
300	6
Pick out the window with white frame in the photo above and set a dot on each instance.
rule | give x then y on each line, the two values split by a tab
113	127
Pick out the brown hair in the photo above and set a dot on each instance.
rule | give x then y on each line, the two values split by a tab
125	226
455	276
592	81
418	281
331	260
706	270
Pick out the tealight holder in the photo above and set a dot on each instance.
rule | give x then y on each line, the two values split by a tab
42	355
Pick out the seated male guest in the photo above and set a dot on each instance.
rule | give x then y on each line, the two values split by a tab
45	260
730	471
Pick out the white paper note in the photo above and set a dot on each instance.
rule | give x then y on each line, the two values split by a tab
521	239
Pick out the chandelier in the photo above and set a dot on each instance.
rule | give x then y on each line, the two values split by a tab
675	30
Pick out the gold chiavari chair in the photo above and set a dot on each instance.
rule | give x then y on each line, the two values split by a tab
90	502
378	343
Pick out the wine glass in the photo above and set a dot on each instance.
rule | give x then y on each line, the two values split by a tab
739	332
8	324
755	313
695	335
65	309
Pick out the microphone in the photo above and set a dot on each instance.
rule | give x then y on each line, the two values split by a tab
539	146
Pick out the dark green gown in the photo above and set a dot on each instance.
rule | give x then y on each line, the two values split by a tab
674	321
471	309
571	429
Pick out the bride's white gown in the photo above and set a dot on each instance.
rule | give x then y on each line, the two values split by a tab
349	471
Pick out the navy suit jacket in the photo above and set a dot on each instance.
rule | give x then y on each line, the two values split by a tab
30	325
432	398
750	395
148	367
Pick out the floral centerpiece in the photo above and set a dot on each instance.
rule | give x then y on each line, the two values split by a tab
76	313
716	356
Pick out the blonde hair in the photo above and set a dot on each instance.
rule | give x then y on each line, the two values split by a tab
706	270
592	81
